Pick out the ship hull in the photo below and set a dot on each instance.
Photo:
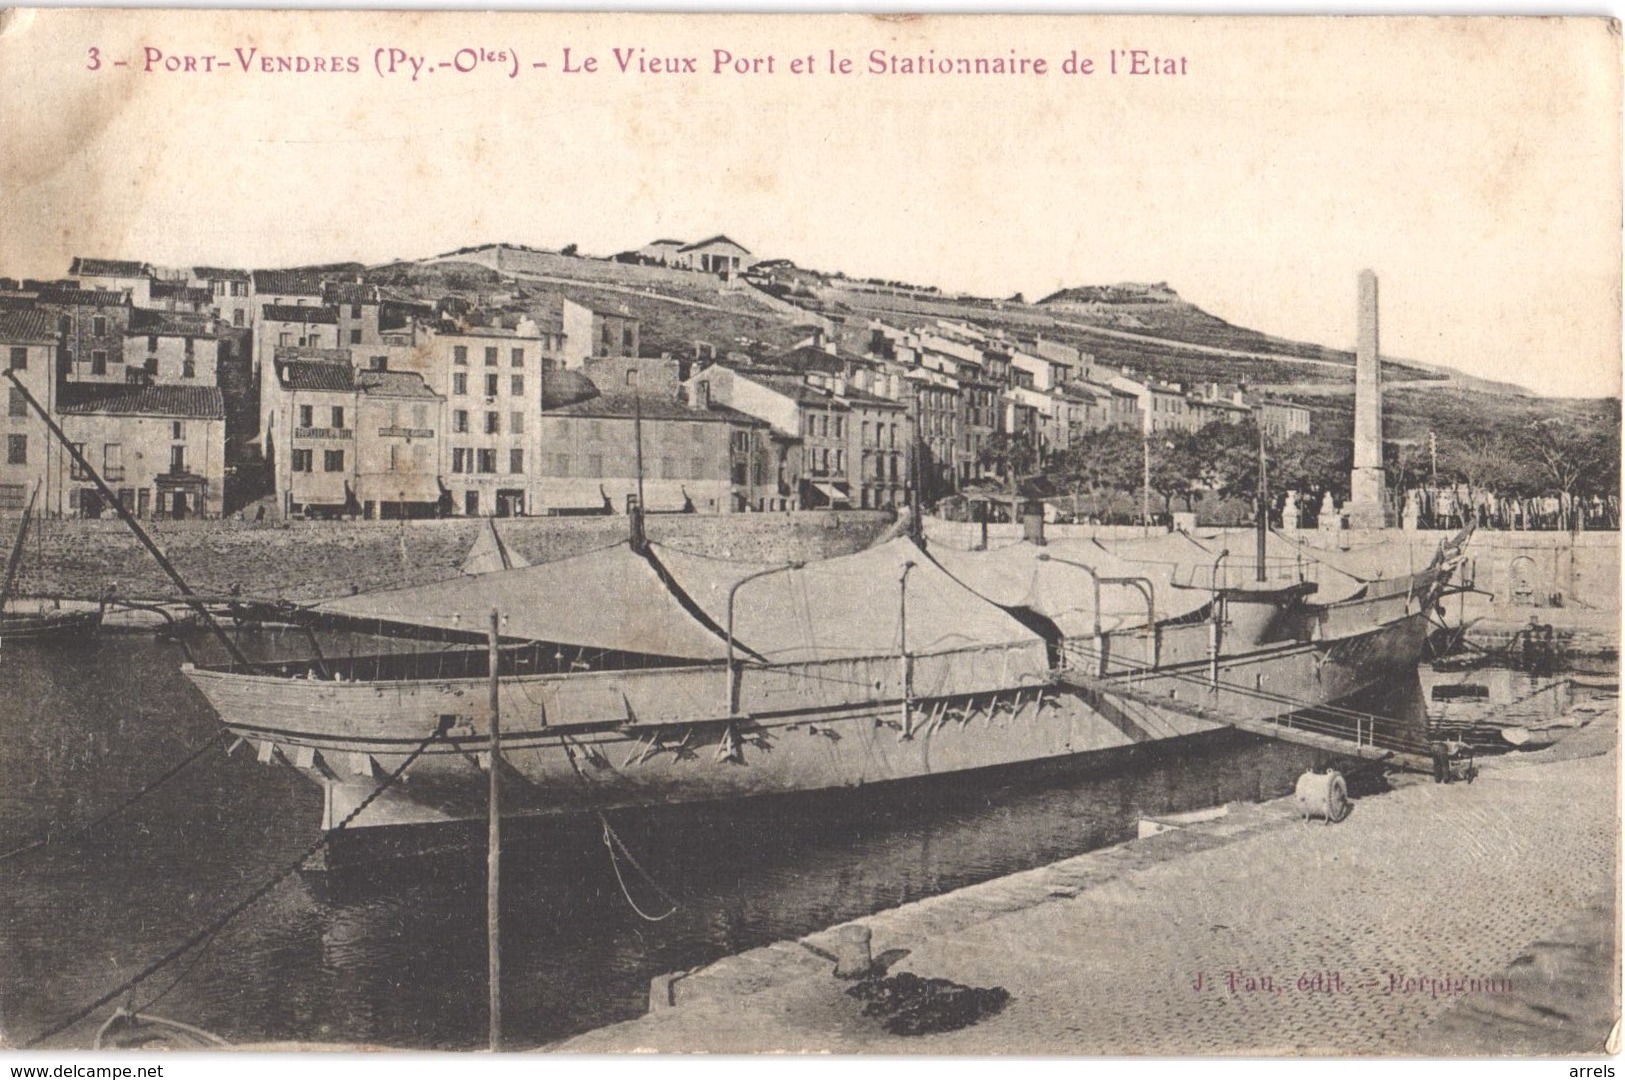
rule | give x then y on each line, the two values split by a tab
579	753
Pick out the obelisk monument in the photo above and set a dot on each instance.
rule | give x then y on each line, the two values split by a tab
1367	507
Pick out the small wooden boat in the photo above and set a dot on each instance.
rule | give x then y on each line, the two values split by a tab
43	623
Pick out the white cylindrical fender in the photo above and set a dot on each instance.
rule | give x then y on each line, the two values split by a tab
1323	795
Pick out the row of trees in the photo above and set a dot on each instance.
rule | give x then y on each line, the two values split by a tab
1576	458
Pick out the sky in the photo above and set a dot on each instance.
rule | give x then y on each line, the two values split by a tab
1473	164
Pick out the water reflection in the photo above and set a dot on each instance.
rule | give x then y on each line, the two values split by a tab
397	956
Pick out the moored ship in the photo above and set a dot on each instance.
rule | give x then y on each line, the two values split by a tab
642	675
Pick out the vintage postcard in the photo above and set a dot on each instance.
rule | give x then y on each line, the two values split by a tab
1017	535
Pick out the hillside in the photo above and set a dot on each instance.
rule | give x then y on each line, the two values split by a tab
1147	327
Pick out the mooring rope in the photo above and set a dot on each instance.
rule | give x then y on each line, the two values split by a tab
46	840
611	842
208	932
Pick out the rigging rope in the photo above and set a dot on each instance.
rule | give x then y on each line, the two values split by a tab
611	842
89	826
208	932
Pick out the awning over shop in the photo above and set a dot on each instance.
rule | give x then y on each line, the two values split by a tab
832	493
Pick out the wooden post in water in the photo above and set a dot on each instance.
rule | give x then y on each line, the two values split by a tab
493	849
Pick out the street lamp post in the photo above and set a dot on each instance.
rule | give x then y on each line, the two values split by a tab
730	674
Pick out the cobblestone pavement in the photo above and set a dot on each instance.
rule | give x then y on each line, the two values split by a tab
1353	936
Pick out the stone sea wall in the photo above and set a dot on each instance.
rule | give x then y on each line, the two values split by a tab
304	560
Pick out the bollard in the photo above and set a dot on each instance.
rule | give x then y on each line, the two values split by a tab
852	959
663	991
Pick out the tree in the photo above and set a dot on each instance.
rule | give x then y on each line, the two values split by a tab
569	250
1012	456
1574	458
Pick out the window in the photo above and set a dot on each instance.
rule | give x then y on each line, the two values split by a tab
516	385
338	416
471	503
840	461
98	326
491	386
493	423
632	377
188	369
307	416
459	354
19	358
177	430
626	338
19	404
459	383
11	497
864	437
112	461
488	461
177	459
98	362
378	363
516	423
518	359
77	471
332	460
459	421
823	425
459	459
490	356
355	313
150	367
840	426
302	460
355	337
516	461
152	342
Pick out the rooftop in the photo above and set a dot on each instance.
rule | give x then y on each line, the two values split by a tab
622	406
180	402
85	297
219	273
301	313
316	375
349	292
719	238
27	328
402	384
287	283
109	268
147	321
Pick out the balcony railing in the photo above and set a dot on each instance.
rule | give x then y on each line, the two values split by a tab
323	433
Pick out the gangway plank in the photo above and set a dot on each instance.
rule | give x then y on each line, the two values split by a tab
1357	744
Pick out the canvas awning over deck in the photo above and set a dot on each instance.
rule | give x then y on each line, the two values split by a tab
607	599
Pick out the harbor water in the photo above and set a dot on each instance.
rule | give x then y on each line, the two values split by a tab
395	955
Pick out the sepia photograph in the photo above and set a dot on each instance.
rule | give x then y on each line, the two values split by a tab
911	535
